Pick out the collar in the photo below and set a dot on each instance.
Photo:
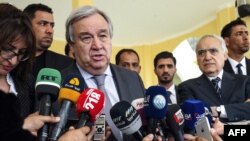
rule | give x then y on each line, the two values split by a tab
172	89
11	83
219	75
234	63
87	75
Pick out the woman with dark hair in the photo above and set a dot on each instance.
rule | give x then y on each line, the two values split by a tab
17	49
17	95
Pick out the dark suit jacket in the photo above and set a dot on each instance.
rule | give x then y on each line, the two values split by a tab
10	120
26	94
55	61
129	85
228	66
235	90
177	94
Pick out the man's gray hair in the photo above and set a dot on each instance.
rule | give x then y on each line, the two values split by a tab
81	13
219	38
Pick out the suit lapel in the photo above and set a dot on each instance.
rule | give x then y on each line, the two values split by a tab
227	86
207	89
73	69
121	87
228	67
177	94
248	66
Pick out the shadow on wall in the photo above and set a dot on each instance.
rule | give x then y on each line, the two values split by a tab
187	67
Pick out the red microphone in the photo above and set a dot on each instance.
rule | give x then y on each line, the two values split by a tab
89	106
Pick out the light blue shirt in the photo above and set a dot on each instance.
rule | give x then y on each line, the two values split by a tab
109	84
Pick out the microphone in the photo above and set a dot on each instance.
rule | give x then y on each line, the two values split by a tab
193	111
69	93
208	113
126	119
89	106
155	107
175	121
47	87
138	104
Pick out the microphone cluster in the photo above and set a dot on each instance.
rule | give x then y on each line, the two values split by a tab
152	114
157	116
89	102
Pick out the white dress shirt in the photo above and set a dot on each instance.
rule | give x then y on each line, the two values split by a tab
235	63
12	85
173	94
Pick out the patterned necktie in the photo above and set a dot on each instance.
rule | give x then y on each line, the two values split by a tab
100	84
216	85
239	68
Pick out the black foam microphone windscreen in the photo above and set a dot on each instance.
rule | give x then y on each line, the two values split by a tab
126	119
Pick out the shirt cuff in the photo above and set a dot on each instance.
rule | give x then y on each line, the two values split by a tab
223	113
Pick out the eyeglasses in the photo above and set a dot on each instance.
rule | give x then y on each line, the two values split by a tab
7	53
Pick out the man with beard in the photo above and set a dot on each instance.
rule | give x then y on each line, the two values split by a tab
42	20
235	35
165	69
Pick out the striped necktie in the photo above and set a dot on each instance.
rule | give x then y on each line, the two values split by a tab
216	85
100	84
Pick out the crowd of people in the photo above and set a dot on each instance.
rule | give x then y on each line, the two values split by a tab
27	35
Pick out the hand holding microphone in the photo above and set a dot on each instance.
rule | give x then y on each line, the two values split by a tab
47	88
89	106
69	93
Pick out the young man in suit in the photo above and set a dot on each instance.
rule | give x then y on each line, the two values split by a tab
89	32
165	69
128	58
235	35
227	94
42	20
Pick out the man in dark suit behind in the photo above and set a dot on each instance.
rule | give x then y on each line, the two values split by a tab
42	20
165	69
89	32
235	35
230	97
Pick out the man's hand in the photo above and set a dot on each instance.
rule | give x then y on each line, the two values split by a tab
218	126
81	134
215	135
150	137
